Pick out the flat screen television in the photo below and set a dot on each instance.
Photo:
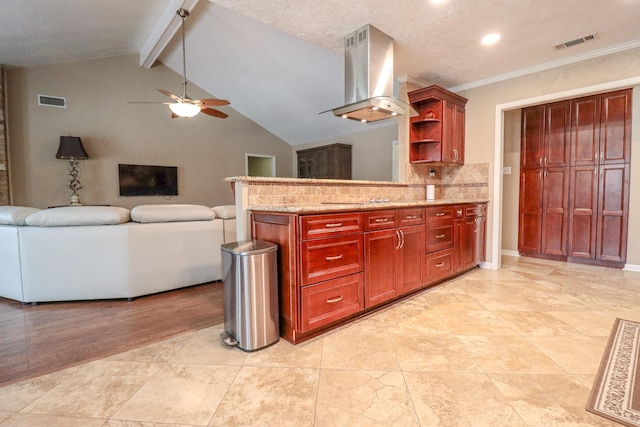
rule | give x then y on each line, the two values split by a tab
142	180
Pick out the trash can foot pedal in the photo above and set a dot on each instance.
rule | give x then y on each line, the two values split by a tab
228	339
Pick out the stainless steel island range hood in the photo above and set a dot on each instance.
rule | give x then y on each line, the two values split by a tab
368	59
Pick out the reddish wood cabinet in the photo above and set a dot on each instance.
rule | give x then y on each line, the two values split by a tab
392	266
335	266
436	135
574	179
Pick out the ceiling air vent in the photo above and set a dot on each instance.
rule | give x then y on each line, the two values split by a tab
52	101
577	41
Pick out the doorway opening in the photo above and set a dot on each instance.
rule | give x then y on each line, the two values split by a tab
260	165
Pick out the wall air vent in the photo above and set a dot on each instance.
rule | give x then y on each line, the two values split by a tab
577	41
52	101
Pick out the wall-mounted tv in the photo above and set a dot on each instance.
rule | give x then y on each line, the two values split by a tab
142	180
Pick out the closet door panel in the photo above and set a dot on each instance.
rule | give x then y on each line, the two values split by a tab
555	212
585	131
557	135
613	212
615	127
583	206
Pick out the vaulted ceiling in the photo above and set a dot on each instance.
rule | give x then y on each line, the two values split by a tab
280	62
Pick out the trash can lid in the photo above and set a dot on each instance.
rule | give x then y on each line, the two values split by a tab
249	247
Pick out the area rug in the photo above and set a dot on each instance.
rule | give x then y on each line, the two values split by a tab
616	390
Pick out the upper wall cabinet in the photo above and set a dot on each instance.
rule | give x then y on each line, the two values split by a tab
545	136
601	129
436	135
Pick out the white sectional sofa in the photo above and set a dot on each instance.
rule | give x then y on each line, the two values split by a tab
92	252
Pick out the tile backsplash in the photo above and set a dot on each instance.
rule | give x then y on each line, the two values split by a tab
468	182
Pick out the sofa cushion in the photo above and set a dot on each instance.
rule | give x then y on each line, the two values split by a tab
15	215
225	211
171	213
79	215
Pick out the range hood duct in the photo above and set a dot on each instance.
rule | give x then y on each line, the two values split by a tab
368	94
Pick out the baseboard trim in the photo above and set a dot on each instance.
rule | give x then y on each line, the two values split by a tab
510	253
631	267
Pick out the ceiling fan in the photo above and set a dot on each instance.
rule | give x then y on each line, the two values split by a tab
183	106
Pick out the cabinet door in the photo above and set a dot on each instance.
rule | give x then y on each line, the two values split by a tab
448	132
458	245
583	209
555	211
481	236
532	137
457	135
585	124
530	215
615	127
469	242
613	209
381	269
411	258
556	134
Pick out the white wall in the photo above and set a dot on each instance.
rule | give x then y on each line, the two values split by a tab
205	149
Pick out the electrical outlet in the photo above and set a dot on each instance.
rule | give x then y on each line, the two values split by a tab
3	167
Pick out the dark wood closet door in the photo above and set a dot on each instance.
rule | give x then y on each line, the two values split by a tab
532	137
615	127
556	135
613	209
584	209
530	221
585	131
555	211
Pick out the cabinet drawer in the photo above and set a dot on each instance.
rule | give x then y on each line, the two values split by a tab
316	226
332	257
475	210
380	220
440	213
411	217
333	300
439	265
439	236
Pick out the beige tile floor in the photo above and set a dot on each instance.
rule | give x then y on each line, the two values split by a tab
514	347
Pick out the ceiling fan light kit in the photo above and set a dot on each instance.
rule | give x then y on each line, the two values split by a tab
183	106
184	109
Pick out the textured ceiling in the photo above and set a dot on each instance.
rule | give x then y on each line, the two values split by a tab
280	62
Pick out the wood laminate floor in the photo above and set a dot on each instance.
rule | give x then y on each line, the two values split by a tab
36	340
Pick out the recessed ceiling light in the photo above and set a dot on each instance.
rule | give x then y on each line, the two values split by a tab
438	1
490	38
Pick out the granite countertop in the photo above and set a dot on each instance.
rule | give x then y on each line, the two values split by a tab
355	206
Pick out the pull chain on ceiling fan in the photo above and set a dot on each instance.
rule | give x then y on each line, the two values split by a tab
183	106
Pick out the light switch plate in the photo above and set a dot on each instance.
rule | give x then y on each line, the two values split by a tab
3	167
506	170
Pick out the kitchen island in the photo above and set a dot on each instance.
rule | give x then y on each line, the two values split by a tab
341	260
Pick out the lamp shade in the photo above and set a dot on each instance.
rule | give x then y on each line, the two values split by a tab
71	148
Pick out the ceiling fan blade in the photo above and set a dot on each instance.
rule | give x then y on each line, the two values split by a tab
212	102
214	113
170	95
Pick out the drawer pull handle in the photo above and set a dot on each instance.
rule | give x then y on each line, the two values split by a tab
381	219
334	299
333	258
459	211
440	213
411	217
440	264
333	225
440	236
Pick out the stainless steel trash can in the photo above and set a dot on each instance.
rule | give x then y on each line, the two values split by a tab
250	274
